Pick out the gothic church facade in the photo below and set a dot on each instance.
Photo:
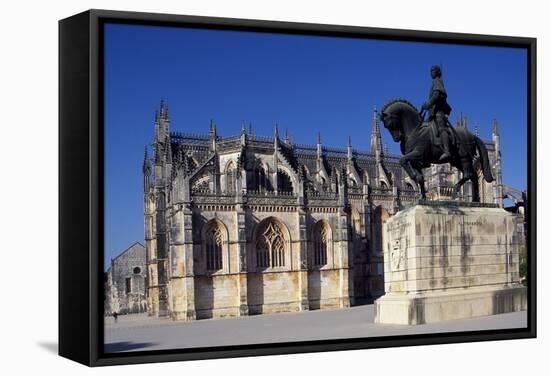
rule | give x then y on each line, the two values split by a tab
251	224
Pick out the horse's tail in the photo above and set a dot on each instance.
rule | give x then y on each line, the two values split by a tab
485	164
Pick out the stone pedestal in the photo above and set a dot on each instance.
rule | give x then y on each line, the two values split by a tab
449	261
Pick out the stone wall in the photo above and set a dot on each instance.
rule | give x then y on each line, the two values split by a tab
324	289
273	292
216	296
126	280
222	292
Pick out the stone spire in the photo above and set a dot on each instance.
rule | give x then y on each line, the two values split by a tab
342	191
498	189
146	172
375	138
495	128
275	163
212	128
213	136
276	136
243	134
319	151
162	122
287	137
319	161
157	126
496	137
461	122
350	150
158	154
162	108
163	116
146	162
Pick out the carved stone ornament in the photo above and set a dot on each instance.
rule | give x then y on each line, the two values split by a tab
397	256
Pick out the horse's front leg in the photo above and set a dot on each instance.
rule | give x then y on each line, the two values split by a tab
422	186
458	185
475	188
414	174
468	173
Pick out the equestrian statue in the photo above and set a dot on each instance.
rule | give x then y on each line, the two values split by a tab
435	140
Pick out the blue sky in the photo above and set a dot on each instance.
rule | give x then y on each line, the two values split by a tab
303	83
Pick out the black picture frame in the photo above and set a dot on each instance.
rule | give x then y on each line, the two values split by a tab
81	182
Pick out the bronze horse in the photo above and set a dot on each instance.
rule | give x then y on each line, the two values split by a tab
416	139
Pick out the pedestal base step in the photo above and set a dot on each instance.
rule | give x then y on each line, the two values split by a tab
422	308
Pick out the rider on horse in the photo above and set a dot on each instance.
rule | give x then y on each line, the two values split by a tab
439	109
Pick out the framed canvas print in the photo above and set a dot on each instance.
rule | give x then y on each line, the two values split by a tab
236	187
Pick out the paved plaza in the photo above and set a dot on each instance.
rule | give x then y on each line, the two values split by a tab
138	332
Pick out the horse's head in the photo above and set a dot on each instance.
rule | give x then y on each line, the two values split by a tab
392	124
400	118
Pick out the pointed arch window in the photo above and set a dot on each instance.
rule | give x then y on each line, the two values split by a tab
260	179
284	183
213	243
322	240
230	176
270	246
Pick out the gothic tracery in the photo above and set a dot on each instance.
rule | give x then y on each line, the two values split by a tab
270	246
213	242
321	241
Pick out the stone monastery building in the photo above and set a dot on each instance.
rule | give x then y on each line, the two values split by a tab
251	224
125	282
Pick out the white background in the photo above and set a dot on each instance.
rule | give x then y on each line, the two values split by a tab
29	188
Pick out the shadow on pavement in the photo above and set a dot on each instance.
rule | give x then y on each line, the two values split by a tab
126	346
